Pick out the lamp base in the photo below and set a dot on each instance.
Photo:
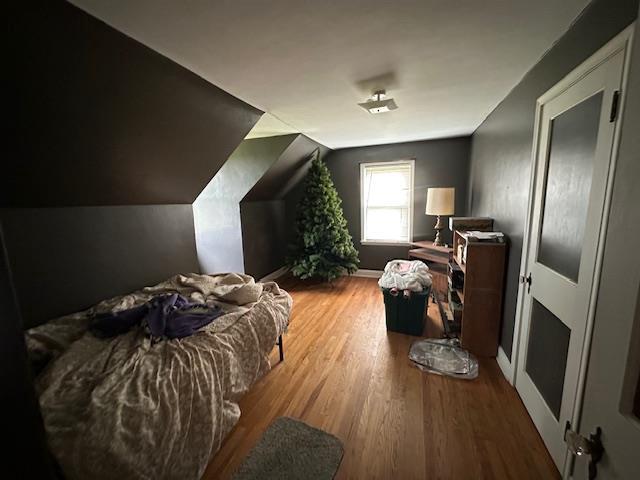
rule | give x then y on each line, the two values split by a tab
438	227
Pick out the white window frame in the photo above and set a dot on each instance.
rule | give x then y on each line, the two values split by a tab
363	166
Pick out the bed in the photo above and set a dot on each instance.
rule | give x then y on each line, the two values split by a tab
129	407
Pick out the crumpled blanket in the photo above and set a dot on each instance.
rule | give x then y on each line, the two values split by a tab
411	275
235	288
129	408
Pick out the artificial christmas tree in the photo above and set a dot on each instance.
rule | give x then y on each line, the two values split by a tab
322	244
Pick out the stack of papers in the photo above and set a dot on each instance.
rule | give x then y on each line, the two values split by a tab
486	236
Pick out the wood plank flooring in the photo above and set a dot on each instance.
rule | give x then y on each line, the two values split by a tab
345	374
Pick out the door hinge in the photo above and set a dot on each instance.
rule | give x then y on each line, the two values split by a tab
581	446
613	115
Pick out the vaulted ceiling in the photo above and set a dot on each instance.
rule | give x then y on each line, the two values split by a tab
309	63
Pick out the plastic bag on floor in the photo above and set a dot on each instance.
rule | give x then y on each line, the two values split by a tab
444	357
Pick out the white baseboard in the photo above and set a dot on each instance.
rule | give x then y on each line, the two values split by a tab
359	273
368	273
505	365
274	275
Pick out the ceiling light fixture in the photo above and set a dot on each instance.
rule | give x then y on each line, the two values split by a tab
378	103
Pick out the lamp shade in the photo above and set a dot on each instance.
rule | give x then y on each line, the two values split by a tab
440	201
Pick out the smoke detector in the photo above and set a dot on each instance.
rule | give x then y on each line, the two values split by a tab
379	103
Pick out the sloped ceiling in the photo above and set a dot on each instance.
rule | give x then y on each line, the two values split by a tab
246	167
100	119
446	63
270	126
286	172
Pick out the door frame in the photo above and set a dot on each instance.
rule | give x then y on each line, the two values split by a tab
621	42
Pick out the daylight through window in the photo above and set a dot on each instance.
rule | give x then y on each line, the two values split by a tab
387	201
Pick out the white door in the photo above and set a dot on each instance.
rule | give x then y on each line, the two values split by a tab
575	137
612	388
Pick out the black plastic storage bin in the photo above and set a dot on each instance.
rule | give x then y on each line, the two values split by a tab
406	315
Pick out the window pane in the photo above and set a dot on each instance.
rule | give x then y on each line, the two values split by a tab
386	201
388	189
574	134
386	224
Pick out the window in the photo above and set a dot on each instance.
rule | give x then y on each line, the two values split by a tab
386	205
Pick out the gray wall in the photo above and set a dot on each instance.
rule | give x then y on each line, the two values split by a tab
217	209
66	259
266	213
264	239
98	119
501	146
438	163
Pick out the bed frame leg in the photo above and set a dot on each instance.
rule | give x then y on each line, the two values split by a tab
280	348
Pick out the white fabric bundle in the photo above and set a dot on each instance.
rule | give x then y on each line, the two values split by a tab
410	275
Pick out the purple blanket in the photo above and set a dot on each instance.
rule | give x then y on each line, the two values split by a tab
170	316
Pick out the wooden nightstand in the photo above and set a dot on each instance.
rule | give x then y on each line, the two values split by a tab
437	259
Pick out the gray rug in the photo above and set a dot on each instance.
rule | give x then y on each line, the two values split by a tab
291	449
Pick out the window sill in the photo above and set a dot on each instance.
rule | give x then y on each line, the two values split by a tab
385	244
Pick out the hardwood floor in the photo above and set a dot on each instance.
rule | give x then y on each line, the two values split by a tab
345	374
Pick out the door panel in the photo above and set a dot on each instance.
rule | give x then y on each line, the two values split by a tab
547	355
573	142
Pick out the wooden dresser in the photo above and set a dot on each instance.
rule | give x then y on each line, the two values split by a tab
475	296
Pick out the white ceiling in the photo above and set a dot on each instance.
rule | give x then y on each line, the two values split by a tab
446	63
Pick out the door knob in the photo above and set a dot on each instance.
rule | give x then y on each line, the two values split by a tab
526	280
581	446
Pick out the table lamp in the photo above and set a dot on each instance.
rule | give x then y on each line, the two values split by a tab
440	201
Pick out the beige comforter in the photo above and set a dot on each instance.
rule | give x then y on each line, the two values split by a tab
128	408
